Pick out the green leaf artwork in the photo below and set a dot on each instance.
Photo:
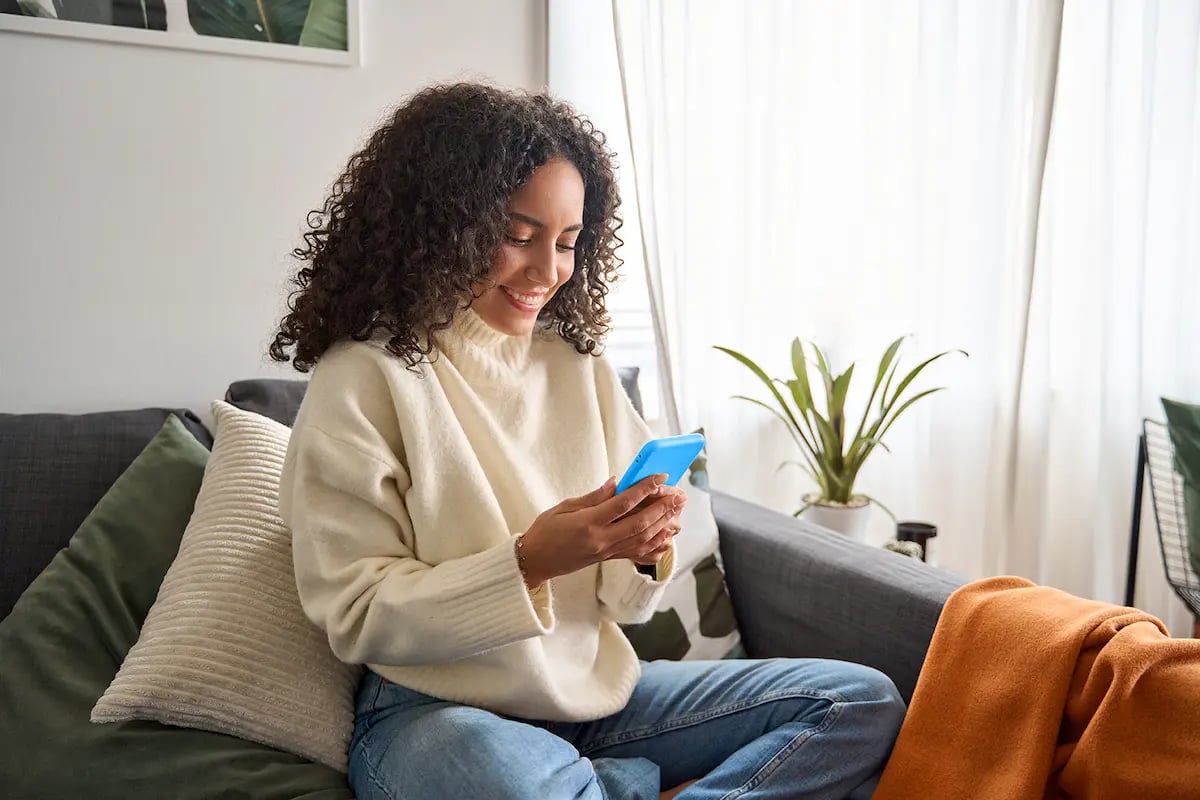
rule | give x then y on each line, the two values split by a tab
33	8
280	21
325	26
145	14
307	23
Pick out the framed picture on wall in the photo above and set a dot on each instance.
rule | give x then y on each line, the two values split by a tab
319	31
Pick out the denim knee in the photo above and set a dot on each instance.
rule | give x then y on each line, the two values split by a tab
863	684
876	694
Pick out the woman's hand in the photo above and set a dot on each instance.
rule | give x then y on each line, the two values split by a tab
651	552
637	524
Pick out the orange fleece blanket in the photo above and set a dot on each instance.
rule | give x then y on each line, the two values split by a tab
1030	693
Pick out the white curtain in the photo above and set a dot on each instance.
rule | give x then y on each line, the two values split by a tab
849	172
1114	315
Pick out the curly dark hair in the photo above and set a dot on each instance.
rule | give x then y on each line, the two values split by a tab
417	216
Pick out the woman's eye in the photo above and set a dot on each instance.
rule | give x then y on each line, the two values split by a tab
565	248
518	240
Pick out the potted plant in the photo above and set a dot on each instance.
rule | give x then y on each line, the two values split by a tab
832	458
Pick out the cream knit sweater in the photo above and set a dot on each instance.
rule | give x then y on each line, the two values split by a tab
404	492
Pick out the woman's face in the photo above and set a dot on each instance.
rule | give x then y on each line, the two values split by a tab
538	253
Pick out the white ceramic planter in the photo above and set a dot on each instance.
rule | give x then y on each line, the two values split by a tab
849	520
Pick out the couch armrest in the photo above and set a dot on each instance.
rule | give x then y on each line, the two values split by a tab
801	591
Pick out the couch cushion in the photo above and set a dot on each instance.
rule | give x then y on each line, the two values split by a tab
274	398
53	470
226	646
67	635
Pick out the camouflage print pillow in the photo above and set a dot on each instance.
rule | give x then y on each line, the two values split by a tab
695	618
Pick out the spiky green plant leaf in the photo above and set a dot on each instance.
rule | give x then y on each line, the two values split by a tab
908	403
837	402
912	375
762	376
832	459
885	364
826	375
800	367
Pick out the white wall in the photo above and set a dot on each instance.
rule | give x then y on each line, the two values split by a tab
149	198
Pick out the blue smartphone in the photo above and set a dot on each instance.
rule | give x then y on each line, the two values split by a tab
670	455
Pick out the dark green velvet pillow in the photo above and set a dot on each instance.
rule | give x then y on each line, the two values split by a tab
68	633
1183	423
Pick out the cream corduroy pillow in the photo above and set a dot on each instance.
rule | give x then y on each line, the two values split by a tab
226	646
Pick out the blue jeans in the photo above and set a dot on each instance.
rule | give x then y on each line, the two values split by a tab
756	730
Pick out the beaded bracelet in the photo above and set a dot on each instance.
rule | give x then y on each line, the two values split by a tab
519	546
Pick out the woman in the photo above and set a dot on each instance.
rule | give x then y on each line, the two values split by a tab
453	292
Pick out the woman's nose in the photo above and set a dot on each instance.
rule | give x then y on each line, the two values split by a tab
542	268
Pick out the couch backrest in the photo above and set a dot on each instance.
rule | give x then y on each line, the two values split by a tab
53	469
280	399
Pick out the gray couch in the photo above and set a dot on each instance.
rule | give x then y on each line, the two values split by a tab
797	590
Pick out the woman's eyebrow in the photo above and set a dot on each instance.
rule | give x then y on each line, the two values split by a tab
537	223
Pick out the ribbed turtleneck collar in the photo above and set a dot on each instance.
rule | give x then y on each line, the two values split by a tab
479	351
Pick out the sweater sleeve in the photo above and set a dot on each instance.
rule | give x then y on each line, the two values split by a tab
360	582
626	595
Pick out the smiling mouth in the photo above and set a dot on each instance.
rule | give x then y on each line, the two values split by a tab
524	301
